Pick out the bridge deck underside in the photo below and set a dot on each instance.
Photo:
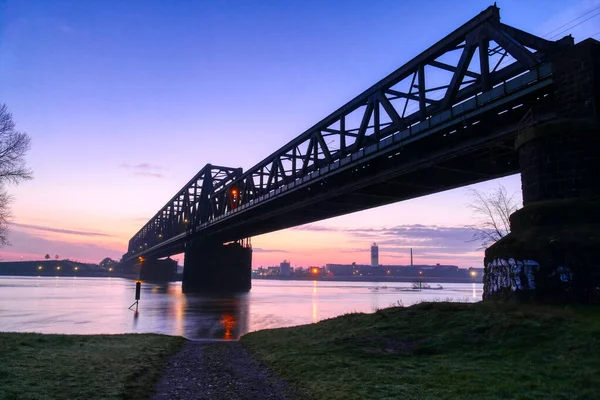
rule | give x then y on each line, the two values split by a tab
459	155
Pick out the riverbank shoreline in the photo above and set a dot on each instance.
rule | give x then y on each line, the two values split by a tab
440	351
426	351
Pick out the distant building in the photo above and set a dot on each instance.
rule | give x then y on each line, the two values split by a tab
405	271
285	269
374	255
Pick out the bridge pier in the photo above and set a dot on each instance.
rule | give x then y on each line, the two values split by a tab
211	267
553	251
155	270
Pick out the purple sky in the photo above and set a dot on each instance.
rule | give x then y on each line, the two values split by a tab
126	100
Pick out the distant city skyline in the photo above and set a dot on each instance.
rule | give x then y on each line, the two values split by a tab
125	101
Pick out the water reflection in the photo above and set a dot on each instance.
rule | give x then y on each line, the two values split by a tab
197	316
315	301
100	305
215	317
228	322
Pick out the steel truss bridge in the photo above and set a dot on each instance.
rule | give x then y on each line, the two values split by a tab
445	119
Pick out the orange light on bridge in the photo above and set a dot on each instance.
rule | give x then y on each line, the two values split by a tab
140	259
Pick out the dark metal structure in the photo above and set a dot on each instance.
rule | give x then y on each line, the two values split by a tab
445	119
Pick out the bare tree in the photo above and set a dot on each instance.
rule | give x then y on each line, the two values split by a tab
4	216
13	147
491	212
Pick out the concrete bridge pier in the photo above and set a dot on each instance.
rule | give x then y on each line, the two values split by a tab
212	267
553	251
155	270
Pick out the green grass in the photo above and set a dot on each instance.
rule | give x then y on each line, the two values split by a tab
34	366
440	351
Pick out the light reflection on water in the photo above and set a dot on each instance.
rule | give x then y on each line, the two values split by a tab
100	305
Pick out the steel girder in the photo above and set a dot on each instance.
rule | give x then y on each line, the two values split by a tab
200	200
406	97
465	63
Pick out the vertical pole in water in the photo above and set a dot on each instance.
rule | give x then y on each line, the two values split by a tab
138	289
411	260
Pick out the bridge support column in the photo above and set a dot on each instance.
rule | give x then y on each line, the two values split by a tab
553	251
213	267
152	269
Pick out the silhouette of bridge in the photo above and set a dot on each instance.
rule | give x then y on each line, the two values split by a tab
447	118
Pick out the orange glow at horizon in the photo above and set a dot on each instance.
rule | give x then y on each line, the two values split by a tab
304	247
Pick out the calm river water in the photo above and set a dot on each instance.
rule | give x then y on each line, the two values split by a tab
100	305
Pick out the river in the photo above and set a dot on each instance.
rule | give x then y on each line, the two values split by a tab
100	305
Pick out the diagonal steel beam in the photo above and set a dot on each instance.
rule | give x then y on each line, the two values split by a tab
389	109
450	68
527	39
514	48
363	125
323	146
457	78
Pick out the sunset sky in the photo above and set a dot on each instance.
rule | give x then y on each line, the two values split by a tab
126	100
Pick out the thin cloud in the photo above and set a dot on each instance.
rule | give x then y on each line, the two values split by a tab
259	250
429	242
150	174
316	228
144	169
141	166
59	230
30	244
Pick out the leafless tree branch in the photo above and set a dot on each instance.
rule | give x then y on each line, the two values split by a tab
4	217
491	212
13	147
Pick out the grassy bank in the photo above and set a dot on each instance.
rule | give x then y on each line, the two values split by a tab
441	351
36	366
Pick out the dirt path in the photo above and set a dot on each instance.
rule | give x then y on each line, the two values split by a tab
218	370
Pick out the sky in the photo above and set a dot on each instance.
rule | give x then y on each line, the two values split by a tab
126	101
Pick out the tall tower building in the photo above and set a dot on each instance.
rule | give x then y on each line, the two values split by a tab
285	268
374	255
